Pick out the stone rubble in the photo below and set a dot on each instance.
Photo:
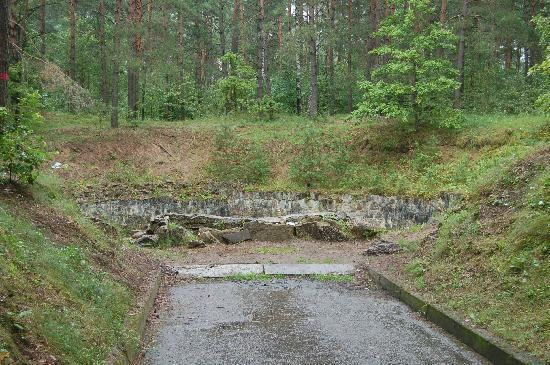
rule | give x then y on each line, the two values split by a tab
383	247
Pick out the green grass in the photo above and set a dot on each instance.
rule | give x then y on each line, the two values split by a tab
254	277
333	278
494	269
266	277
57	296
347	155
276	250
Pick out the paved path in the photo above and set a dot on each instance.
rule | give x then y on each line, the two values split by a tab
295	322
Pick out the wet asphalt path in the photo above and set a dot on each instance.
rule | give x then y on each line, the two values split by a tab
295	322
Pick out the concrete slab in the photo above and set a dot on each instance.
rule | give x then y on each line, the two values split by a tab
220	271
309	269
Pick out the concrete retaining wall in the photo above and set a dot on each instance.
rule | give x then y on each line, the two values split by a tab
373	211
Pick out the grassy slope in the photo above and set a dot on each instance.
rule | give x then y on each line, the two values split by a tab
350	156
65	289
489	260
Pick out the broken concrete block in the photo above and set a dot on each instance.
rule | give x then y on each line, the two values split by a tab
270	232
234	237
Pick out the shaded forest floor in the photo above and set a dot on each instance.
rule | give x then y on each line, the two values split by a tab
487	260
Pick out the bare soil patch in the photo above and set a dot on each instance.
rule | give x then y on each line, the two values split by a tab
296	251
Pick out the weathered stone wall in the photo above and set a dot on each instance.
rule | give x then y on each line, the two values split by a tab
372	211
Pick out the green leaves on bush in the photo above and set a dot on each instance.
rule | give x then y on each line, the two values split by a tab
238	87
416	84
21	152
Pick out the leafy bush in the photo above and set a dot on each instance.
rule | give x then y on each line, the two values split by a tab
319	162
237	88
180	102
543	69
21	151
238	160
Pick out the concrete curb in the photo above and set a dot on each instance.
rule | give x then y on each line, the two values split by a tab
228	270
493	349
129	351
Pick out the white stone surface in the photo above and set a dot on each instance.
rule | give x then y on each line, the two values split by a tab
220	271
309	269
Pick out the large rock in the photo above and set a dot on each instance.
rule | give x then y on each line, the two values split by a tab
196	221
270	232
234	237
156	223
321	230
210	235
147	240
382	247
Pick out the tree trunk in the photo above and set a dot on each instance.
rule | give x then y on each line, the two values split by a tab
4	53
289	16
181	43
372	40
443	13
235	28
260	60
508	56
461	52
135	13
280	31
349	58
314	93
104	87
72	39
222	35
242	29
299	22
116	65
330	55
42	28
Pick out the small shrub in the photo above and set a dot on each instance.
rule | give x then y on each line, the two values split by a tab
319	164
417	269
238	160
21	151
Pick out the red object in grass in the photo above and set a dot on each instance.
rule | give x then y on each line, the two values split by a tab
4	76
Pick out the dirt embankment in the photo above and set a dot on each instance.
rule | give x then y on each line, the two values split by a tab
32	283
145	157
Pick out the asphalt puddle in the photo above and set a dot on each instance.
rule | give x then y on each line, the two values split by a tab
292	321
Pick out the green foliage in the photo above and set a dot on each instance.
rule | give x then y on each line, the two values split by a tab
21	151
321	161
265	108
180	102
542	70
237	89
417	269
416	83
57	296
238	160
